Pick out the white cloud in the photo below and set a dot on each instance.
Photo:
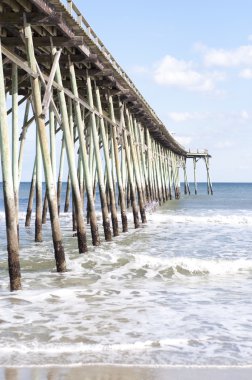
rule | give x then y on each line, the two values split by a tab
225	118
173	72
246	74
226	58
244	115
139	69
224	144
180	117
184	140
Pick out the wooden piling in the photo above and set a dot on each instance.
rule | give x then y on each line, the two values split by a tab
36	95
81	230
209	183
60	175
31	196
131	182
8	190
108	166
15	137
136	168
118	168
104	206
38	214
194	175
84	157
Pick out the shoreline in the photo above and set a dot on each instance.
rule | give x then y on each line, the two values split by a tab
126	372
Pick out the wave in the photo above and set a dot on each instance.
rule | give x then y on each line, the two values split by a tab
39	348
184	266
153	215
209	219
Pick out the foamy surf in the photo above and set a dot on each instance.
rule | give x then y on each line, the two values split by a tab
174	292
209	218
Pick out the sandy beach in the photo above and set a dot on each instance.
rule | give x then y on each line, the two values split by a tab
114	372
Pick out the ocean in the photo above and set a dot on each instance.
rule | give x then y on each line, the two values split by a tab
177	291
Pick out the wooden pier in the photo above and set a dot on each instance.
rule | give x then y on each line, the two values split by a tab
54	67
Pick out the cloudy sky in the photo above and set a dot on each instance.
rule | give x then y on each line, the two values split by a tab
192	61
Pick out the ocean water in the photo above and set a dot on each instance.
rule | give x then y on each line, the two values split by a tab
177	291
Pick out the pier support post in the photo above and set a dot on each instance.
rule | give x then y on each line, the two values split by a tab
36	95
84	159
194	175
15	137
136	168
22	139
38	216
209	184
67	197
108	166
118	168
130	169
60	175
8	191
104	206
31	196
81	230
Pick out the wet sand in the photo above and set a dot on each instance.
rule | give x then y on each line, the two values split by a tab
114	372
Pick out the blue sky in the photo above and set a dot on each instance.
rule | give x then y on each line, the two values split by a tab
192	61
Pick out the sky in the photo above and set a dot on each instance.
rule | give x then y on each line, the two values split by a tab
192	61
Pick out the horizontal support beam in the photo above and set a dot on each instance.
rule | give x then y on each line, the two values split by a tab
44	41
74	58
10	18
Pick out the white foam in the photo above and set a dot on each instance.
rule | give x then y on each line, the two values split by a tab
39	348
209	219
193	266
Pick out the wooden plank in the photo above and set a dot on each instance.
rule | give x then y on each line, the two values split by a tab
44	41
20	62
17	19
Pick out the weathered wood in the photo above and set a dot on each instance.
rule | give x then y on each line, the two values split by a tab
15	137
68	191
48	90
136	168
60	175
130	170
38	216
22	139
84	158
44	41
33	18
104	206
81	230
209	183
31	196
108	167
8	191
118	169
36	95
194	175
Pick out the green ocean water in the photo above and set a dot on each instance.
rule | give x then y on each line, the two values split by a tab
176	291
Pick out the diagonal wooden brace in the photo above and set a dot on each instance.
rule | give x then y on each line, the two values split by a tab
55	110
48	91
